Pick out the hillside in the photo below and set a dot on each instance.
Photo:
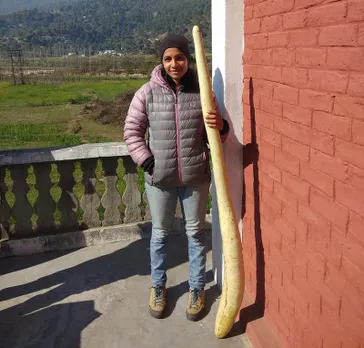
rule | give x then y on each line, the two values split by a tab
9	6
93	25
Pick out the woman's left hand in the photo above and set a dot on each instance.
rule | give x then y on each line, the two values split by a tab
214	120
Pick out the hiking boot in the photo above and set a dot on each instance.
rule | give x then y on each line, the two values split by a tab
157	301
196	303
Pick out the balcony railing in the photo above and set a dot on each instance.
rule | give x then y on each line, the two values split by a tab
45	192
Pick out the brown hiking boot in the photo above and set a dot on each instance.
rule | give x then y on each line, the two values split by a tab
157	301
196	304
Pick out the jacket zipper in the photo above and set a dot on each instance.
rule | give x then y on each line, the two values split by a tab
178	141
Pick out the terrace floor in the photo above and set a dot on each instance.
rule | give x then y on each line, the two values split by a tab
98	297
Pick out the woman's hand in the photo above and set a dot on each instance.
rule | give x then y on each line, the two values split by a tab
214	120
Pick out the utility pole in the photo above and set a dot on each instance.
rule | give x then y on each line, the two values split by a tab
17	62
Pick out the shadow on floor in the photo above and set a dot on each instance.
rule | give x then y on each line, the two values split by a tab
40	322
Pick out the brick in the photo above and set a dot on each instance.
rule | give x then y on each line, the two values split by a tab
356	10
262	57
266	151
345	58
352	318
271	170
327	81
334	125
293	130
317	179
314	219
288	254
350	197
303	37
349	247
272	23
287	232
252	26
271	106
248	12
316	267
286	309
287	162
290	292
311	339
295	185
297	114
326	15
266	181
353	273
323	142
356	228
256	41
278	39
306	3
296	149
329	165
316	100
351	107
356	177
269	199
274	238
252	2
299	263
263	87
250	70
335	279
310	57
330	300
286	94
290	215
269	73
306	291
320	241
361	34
295	77
264	119
283	57
350	152
330	311
356	83
272	7
331	338
293	20
339	35
271	137
285	196
247	55
329	209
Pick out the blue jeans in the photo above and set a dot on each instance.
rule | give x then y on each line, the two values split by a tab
162	203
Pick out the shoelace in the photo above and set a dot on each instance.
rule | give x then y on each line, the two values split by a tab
195	296
158	298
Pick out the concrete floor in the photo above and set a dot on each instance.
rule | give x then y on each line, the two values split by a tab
98	297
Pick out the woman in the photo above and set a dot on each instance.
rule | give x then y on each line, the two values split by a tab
176	164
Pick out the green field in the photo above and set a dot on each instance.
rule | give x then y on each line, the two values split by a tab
45	115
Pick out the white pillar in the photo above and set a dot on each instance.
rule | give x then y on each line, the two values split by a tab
227	81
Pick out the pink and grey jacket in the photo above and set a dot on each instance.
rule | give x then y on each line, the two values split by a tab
176	134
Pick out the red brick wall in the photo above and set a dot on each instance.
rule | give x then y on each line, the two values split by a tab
305	110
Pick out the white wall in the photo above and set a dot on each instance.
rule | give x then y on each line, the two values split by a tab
227	80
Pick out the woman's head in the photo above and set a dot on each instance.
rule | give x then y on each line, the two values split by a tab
174	53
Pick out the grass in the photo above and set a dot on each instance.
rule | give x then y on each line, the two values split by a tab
74	92
33	116
13	136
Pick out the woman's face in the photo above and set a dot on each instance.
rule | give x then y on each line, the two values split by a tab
175	63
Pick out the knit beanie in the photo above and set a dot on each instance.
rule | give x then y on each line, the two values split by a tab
175	41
